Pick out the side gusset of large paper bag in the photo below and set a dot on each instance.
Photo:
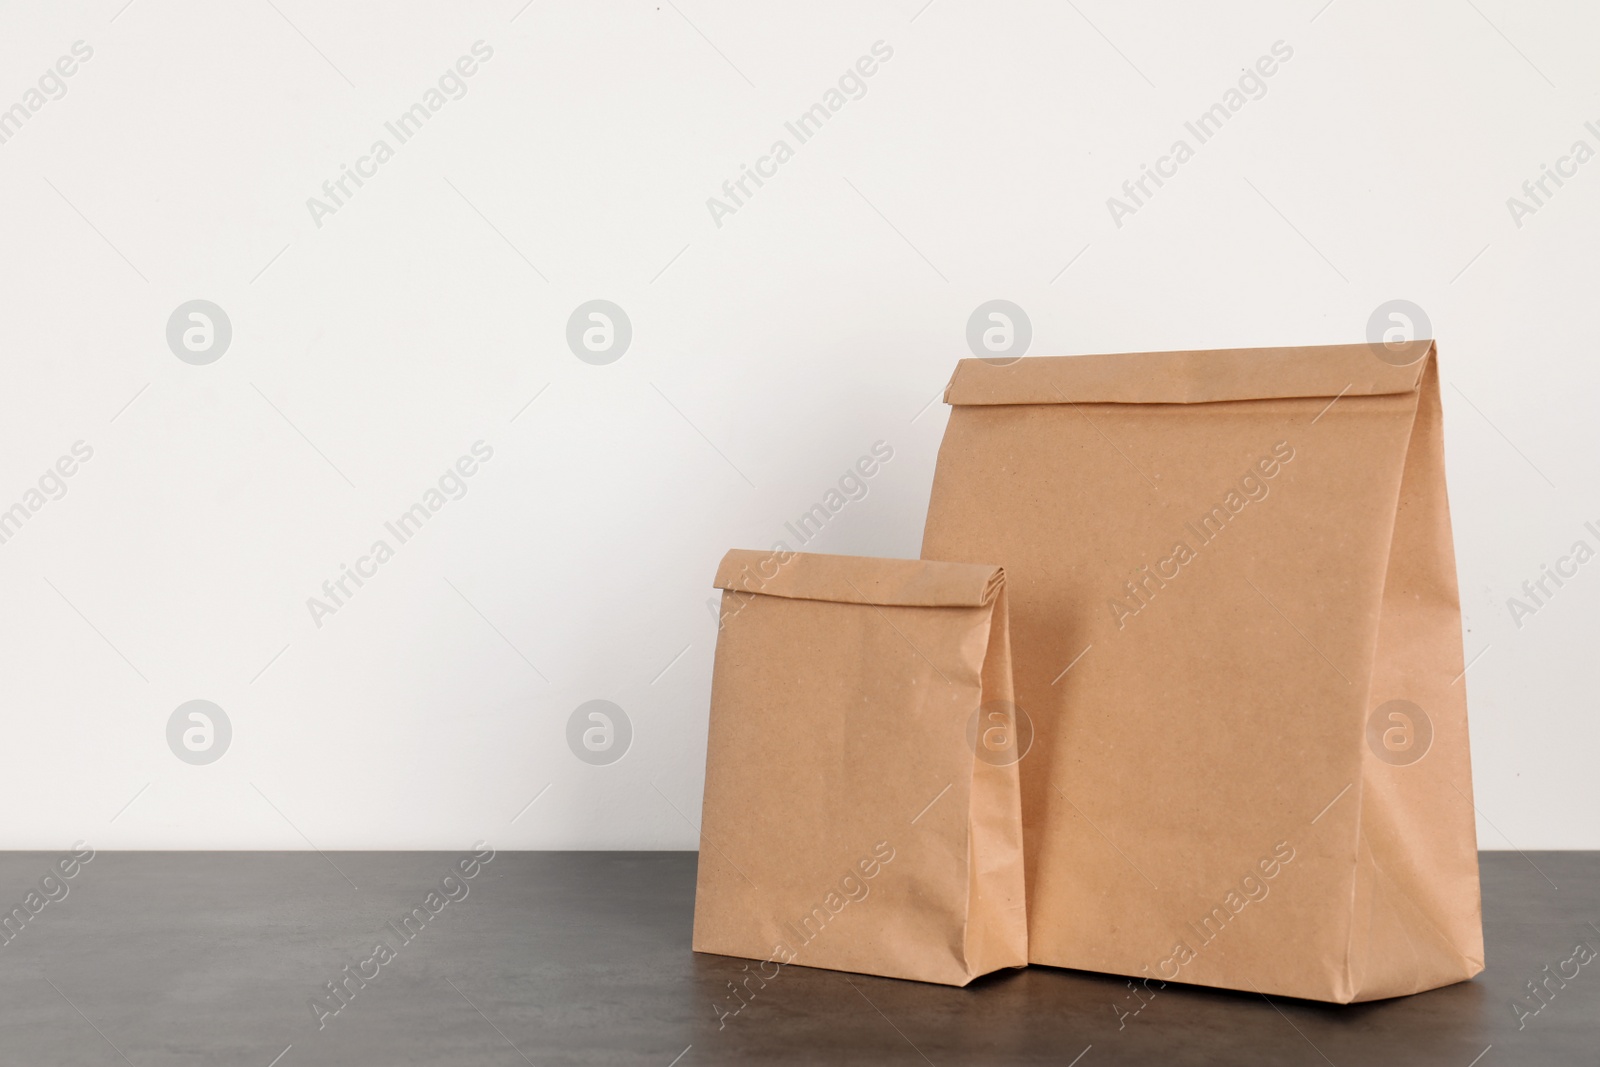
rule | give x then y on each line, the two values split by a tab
1236	632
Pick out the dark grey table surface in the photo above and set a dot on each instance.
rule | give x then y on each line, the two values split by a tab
583	958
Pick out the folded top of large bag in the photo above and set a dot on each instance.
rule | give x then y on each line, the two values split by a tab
1196	377
859	579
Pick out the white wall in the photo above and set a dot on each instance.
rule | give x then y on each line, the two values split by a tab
768	353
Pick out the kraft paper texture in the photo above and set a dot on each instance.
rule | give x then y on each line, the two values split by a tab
862	807
1237	636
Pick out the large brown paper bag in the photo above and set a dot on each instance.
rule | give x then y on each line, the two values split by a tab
861	806
1238	636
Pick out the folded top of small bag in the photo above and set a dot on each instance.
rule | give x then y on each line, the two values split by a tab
1193	377
859	579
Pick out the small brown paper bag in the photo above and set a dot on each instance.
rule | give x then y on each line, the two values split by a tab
861	805
1237	631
